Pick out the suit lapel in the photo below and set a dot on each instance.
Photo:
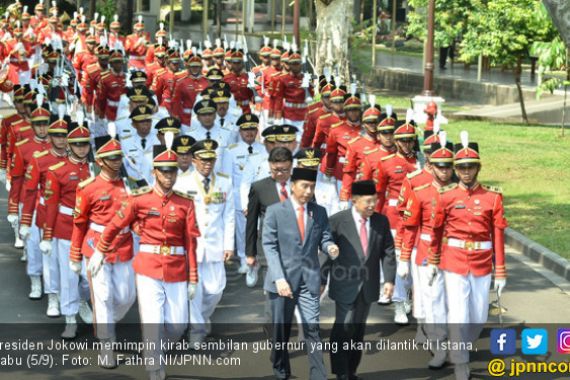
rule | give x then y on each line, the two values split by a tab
353	236
272	188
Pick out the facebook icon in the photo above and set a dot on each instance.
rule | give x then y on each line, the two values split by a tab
503	341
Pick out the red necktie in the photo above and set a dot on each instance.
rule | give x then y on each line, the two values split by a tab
363	236
301	221
283	194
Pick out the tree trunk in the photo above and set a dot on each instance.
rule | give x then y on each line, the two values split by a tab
334	26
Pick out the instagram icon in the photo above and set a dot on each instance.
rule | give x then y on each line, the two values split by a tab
563	345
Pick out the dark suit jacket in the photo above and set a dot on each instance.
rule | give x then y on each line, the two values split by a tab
288	257
352	270
262	194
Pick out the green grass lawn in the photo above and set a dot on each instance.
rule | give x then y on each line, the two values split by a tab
531	164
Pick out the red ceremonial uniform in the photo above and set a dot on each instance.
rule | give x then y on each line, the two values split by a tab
17	58
310	126
111	87
81	61
337	144
324	124
61	185
114	38
5	128
166	221
238	87
23	154
469	231
288	98
35	179
97	201
267	78
186	89
20	130
89	84
137	50
152	69
354	158
162	86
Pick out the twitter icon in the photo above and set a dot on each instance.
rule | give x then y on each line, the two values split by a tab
534	341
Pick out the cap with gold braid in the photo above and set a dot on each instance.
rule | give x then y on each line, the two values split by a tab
221	95
467	152
182	144
59	123
442	151
165	158
215	74
285	133
168	124
108	146
269	133
138	94
138	77
19	92
388	120
248	121
205	107
141	113
310	158
204	149
41	112
78	134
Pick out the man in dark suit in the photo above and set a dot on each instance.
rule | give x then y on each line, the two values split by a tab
364	240
293	233
262	194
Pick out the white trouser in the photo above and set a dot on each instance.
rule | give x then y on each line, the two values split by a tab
163	309
113	294
24	77
73	287
402	285
240	235
263	121
299	124
429	301
209	292
467	310
136	243
50	270
98	128
32	247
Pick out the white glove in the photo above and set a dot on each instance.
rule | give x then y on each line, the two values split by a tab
278	121
24	232
403	268
8	186
192	290
397	251
306	80
3	175
500	284
95	263
75	267
250	80
343	205
45	247
13	220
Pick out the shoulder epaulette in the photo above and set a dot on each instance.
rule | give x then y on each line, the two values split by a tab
313	110
494	189
17	122
91	68
57	166
24	129
183	194
447	188
41	154
22	142
10	115
337	124
141	191
414	173
424	186
232	146
324	116
388	157
366	151
160	71
180	73
86	182
351	141
223	175
105	73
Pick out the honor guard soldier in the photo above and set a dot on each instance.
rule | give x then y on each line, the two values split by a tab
38	20
467	244
6	129
18	50
238	81
115	38
34	214
431	112
158	61
357	146
111	87
339	136
86	57
110	275
136	45
163	82
213	197
92	76
61	183
138	147
243	152
24	152
160	38
187	86
182	145
267	86
418	215
314	114
165	266
326	120
258	71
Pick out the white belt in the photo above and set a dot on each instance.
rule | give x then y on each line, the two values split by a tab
42	201
162	250
112	103
425	237
342	160
99	228
66	210
243	103
137	57
295	105
187	110
392	202
469	245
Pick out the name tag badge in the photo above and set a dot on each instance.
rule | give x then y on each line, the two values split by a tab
73	178
153	213
105	197
460	206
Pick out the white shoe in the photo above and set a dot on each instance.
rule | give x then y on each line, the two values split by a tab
158	374
18	243
85	312
462	371
24	256
36	288
243	268
383	300
70	330
252	276
408	306
438	360
53	306
400	317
